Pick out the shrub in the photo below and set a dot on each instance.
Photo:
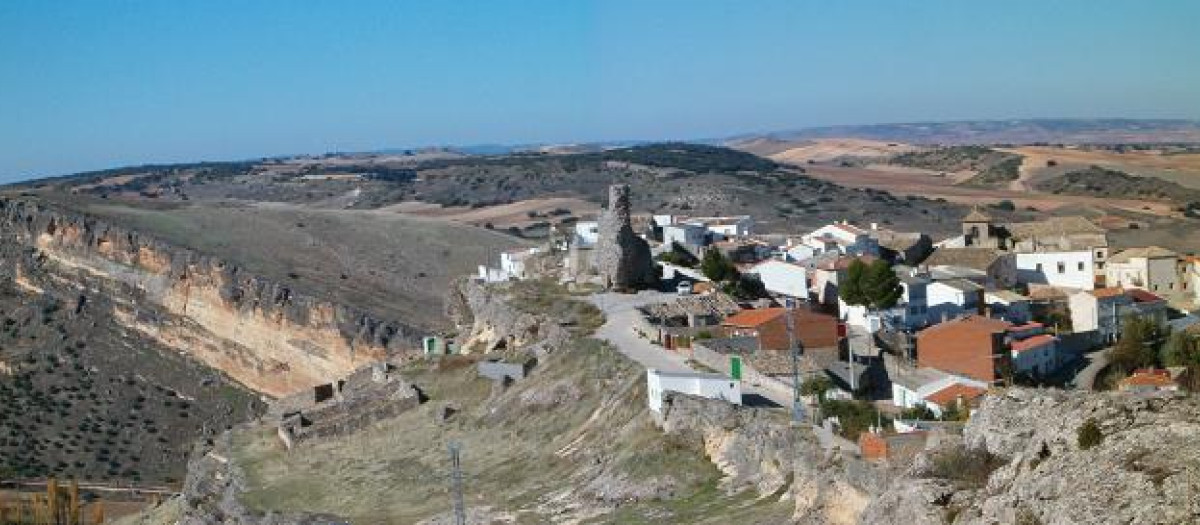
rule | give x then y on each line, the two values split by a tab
966	467
1089	434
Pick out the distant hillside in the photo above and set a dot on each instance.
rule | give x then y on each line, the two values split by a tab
990	166
1104	182
821	150
1053	131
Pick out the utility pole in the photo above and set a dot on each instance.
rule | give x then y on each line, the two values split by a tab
794	347
456	482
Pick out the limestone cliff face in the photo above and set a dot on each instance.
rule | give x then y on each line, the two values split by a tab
1143	471
760	449
264	334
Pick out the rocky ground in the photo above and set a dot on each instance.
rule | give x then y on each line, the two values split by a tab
1021	460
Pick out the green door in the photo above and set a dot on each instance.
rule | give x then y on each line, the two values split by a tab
735	367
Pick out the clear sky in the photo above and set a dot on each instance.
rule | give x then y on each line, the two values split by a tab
92	84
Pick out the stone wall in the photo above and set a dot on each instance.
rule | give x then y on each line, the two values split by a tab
623	259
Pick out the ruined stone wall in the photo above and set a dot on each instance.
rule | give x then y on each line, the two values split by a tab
264	334
623	259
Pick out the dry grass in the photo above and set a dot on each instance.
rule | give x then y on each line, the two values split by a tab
583	411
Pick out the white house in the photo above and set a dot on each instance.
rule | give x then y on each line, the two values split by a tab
800	251
783	278
512	266
1035	354
587	233
858	316
914	387
951	298
512	262
691	237
911	311
1071	270
711	386
725	227
1152	269
1101	310
842	238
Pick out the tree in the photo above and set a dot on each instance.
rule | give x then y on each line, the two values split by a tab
716	267
1181	349
850	290
745	287
1138	345
880	286
678	255
816	387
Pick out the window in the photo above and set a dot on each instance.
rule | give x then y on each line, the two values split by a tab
1062	267
1039	267
1081	266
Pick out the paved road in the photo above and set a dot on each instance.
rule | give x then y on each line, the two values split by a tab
621	313
1086	378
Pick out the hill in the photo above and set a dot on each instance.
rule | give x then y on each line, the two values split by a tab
1049	131
985	165
1103	182
826	150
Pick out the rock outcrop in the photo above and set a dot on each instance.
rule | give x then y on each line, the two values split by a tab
264	334
760	449
491	322
1146	469
623	259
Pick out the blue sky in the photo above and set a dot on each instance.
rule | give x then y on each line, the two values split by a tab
88	85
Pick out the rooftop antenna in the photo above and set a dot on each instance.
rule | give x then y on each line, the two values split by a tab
456	483
795	347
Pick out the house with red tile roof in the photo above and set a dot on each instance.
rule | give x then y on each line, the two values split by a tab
974	346
769	327
1149	380
954	396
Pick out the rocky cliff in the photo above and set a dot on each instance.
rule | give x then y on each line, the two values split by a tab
1021	461
491	320
758	448
264	334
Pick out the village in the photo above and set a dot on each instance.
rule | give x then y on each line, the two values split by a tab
878	338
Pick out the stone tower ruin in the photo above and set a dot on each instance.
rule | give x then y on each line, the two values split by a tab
622	258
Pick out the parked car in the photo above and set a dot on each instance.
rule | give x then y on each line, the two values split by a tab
684	288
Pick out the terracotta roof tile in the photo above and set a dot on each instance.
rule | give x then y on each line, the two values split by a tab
1142	296
1031	343
753	318
954	392
1148	377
